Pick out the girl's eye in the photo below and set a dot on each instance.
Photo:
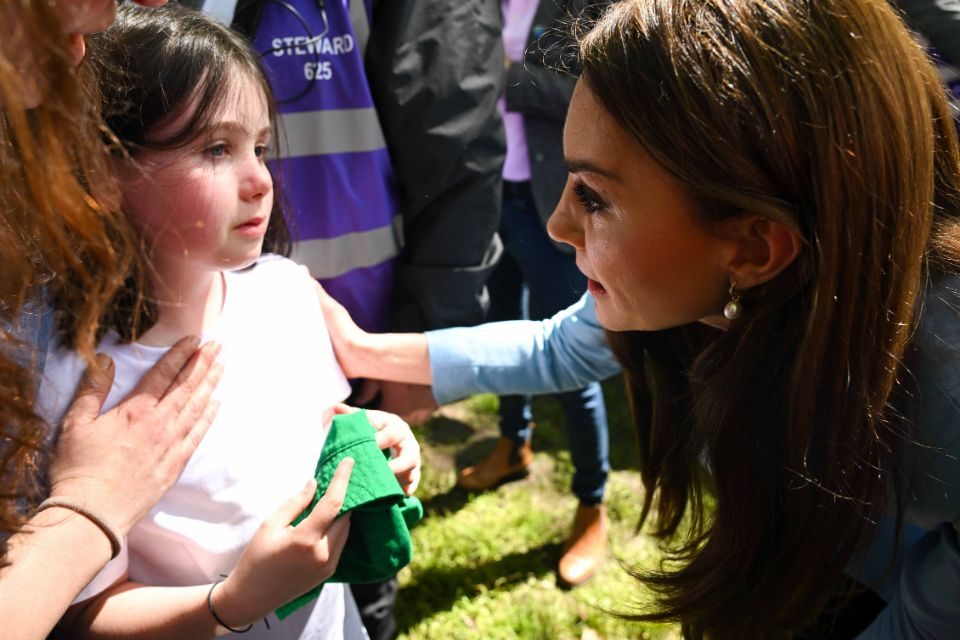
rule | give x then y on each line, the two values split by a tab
217	150
589	200
260	150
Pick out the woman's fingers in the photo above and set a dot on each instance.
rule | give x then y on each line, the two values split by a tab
92	391
191	382
157	381
198	400
195	436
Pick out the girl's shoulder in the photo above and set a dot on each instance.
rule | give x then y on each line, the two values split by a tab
272	285
271	262
270	266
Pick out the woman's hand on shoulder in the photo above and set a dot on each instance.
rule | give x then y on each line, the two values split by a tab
395	434
348	339
120	463
282	561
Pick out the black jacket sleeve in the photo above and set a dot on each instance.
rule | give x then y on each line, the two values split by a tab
436	71
939	22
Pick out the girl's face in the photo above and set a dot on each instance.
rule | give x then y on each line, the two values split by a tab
651	262
206	206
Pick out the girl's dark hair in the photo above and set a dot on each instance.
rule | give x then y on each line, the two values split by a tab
153	65
828	117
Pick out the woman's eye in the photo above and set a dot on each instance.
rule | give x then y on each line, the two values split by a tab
589	200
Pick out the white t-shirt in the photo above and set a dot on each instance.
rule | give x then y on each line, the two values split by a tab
280	383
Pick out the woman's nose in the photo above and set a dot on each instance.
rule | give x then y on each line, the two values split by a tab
562	225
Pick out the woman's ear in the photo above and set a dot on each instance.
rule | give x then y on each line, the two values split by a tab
761	248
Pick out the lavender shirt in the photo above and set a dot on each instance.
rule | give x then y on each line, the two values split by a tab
517	19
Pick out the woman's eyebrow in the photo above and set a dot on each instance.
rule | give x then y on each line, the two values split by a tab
585	166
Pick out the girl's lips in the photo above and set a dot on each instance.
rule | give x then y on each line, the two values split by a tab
595	288
254	228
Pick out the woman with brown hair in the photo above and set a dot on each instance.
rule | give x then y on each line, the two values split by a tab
764	196
59	235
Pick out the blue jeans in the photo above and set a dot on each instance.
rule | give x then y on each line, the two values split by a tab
534	280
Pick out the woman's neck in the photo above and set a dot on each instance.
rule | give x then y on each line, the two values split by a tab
188	303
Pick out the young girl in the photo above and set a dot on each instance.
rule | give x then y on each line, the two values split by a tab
765	197
189	101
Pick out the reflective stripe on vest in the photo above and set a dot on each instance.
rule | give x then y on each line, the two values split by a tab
311	133
333	257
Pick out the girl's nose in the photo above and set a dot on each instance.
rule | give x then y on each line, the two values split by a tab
562	225
256	182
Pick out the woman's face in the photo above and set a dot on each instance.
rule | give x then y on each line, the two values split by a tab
77	18
91	16
86	16
651	262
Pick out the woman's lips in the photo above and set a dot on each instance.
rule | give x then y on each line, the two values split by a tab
595	288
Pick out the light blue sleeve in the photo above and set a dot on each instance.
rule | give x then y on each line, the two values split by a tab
926	605
562	353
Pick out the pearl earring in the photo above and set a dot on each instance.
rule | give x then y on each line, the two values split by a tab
733	308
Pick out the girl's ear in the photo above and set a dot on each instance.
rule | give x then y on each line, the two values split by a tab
760	249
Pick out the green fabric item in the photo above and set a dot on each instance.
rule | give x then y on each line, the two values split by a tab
379	542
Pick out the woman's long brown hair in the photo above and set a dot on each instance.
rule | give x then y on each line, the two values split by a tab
828	117
58	232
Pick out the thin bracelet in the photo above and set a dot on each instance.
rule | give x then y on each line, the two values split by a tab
216	617
67	503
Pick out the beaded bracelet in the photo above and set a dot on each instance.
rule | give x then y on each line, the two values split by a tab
216	617
66	503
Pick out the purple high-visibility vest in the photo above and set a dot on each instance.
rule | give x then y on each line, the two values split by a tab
333	166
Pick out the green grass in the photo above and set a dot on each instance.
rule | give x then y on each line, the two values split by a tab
484	564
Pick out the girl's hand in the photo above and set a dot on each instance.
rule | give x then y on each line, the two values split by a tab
395	434
120	463
283	562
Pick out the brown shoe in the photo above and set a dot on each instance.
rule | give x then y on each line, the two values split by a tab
508	461
586	549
